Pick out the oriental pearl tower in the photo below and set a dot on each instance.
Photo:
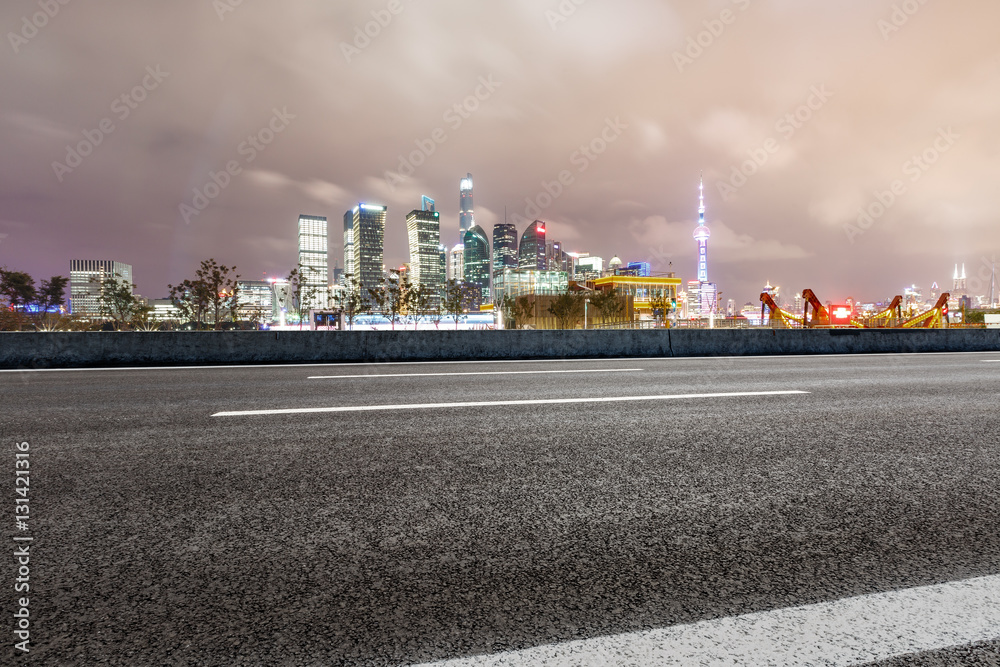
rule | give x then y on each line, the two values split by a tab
704	300
701	235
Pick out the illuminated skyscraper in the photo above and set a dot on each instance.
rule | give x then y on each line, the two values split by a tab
85	279
531	249
477	264
707	291
424	231
314	261
349	248
959	286
504	246
456	264
369	239
466	217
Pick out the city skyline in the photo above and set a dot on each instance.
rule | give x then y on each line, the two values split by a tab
855	162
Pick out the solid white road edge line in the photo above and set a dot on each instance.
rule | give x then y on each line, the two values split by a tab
845	632
779	357
427	375
487	404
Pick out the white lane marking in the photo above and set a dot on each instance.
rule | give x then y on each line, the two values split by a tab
490	404
427	375
845	632
769	358
992	361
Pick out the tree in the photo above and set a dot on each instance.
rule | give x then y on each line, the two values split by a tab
393	297
221	285
611	305
456	299
516	311
303	294
18	288
353	301
143	320
422	302
661	305
191	298
53	293
117	301
567	309
51	300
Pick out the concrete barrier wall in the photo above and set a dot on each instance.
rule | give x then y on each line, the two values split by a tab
105	349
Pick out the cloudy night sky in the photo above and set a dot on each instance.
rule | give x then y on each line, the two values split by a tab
888	81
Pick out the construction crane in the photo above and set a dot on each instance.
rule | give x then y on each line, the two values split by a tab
779	316
820	315
935	318
889	318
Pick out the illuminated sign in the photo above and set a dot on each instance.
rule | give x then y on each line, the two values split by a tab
841	314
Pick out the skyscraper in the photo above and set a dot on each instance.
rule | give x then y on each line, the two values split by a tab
707	290
423	229
456	264
443	265
466	218
531	250
504	246
349	248
85	278
369	239
314	261
959	287
477	264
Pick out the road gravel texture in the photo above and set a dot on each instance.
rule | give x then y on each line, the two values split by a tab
167	536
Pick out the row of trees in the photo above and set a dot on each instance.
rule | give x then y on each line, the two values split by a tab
211	299
400	301
26	304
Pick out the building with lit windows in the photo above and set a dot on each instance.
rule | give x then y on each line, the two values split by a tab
423	229
528	282
643	290
314	261
368	223
588	268
255	301
349	247
85	278
504	246
443	265
466	216
531	249
641	269
456	264
477	264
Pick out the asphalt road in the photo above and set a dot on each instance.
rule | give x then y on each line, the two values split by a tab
166	535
